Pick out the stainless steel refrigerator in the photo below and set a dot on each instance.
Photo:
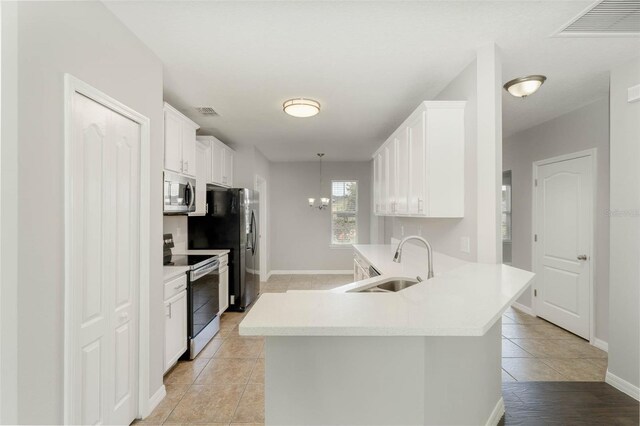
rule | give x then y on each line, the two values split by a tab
231	223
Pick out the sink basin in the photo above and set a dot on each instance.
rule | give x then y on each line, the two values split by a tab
396	285
390	286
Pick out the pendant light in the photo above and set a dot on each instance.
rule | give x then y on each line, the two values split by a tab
324	202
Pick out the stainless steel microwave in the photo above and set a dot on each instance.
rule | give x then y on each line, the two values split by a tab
179	194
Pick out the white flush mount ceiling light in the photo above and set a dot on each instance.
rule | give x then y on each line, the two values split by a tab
524	86
301	107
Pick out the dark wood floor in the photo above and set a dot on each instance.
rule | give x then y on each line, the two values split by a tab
567	403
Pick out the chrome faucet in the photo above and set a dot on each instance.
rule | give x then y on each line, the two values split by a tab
398	256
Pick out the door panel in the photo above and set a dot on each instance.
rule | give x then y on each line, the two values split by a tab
564	202
402	192
105	178
417	178
172	142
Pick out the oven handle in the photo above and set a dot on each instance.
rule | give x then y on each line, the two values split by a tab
192	197
199	273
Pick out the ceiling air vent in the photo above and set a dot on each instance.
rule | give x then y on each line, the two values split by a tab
206	111
614	18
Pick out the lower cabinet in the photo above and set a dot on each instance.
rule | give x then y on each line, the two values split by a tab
224	284
175	329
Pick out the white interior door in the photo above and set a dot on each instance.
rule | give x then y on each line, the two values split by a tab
104	155
564	227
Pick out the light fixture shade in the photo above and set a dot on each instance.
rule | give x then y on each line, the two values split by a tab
311	202
524	86
301	107
325	202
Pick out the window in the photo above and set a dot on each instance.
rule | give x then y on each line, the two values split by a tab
506	206
344	212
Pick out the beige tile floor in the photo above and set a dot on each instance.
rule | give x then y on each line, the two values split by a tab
224	385
536	350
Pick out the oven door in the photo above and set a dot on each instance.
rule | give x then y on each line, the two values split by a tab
179	194
203	306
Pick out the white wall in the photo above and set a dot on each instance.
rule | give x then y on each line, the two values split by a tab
444	234
584	128
301	236
9	216
624	292
87	41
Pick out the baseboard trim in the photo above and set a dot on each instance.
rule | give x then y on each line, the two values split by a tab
519	306
311	272
622	385
496	414
155	400
600	344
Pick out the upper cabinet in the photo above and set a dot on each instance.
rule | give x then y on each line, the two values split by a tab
179	142
221	161
419	170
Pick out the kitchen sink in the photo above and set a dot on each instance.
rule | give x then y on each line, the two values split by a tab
390	286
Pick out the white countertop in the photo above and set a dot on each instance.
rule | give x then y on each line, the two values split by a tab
170	271
463	299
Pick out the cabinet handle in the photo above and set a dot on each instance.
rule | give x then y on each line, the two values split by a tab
186	166
420	204
182	165
169	314
178	287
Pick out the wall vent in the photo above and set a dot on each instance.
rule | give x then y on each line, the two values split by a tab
612	18
206	111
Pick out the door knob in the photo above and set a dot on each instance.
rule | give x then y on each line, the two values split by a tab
582	257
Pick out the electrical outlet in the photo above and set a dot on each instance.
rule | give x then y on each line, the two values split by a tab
465	244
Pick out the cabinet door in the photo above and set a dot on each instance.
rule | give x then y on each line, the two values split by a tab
390	160
382	182
228	167
217	163
188	150
445	162
224	289
175	339
172	142
203	170
417	169
402	172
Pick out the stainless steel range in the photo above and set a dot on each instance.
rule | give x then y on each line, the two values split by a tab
203	321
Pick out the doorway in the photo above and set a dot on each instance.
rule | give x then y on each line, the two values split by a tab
563	230
106	250
261	187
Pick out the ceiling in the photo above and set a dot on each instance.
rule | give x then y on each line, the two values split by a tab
368	63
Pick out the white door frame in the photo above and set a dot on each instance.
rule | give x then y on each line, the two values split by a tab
592	153
260	181
73	85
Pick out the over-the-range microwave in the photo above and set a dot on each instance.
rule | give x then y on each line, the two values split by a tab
179	194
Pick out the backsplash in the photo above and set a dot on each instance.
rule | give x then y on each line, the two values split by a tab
178	226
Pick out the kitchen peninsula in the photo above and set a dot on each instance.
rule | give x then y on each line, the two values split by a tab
428	354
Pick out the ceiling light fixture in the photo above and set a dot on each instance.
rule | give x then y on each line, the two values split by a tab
524	86
301	107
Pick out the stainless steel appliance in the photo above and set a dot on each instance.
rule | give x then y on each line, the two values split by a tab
203	300
179	194
232	223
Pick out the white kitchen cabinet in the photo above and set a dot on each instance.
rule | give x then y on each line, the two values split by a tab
224	284
402	172
222	159
203	176
417	166
175	329
422	171
179	142
390	168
